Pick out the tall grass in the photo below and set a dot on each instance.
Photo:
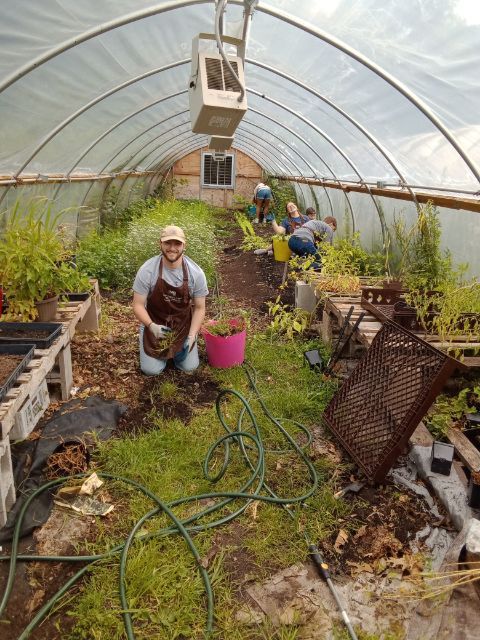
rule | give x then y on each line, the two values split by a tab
114	255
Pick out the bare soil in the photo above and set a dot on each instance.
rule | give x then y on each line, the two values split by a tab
383	520
8	364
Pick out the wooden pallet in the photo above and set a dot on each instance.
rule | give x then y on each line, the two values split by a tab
337	307
53	364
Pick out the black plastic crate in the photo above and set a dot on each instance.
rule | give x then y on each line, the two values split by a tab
25	350
50	331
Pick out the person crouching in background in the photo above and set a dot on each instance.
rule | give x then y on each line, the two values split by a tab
305	240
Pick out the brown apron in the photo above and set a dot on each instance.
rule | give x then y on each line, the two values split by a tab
170	306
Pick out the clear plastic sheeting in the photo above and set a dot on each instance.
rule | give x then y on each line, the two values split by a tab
350	90
429	49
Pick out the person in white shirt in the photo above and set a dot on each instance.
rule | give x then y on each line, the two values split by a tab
262	194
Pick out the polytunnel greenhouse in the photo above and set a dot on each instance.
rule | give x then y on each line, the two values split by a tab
240	319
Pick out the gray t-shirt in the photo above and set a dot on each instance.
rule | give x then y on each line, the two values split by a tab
147	277
310	229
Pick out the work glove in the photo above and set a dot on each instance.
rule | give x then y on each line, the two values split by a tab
159	330
191	342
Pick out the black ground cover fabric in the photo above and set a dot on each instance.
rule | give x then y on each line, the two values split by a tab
80	420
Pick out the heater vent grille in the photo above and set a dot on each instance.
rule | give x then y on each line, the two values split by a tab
219	76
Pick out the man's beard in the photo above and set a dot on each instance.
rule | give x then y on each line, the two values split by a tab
180	254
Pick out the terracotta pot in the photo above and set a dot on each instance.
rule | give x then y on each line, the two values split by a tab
47	309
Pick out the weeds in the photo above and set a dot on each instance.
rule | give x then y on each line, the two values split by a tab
163	584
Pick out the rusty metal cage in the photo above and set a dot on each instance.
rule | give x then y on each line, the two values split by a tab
388	393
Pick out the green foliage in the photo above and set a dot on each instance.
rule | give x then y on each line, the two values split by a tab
114	255
423	264
250	239
283	192
452	310
224	327
101	254
448	410
228	321
287	321
346	256
35	261
240	202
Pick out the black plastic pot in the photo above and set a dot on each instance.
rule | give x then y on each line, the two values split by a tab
77	297
442	458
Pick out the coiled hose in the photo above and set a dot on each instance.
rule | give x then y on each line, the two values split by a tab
248	442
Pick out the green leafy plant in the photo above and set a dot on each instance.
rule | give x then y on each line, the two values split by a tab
226	322
287	321
446	411
283	192
35	260
250	238
346	256
225	327
114	255
423	264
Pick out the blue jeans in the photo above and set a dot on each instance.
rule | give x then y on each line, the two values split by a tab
303	247
183	360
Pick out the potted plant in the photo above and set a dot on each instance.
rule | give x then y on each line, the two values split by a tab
36	266
225	339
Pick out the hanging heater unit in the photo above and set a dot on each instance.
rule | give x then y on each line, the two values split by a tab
220	143
214	91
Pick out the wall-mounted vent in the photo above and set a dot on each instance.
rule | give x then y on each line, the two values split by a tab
218	171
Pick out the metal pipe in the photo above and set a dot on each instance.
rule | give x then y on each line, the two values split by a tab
156	159
377	70
134	139
328	139
343	113
175	136
294	133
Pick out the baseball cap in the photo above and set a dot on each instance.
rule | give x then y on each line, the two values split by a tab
171	232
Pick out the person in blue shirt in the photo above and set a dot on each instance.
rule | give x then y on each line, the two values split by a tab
305	239
293	220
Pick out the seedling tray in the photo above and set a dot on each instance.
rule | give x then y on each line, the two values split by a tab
77	297
25	350
40	334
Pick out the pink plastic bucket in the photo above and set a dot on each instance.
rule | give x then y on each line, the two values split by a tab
225	351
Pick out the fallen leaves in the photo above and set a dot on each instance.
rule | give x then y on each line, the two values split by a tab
341	540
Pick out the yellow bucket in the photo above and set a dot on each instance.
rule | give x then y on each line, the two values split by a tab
281	250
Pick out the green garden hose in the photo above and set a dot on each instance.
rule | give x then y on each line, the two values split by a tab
248	443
